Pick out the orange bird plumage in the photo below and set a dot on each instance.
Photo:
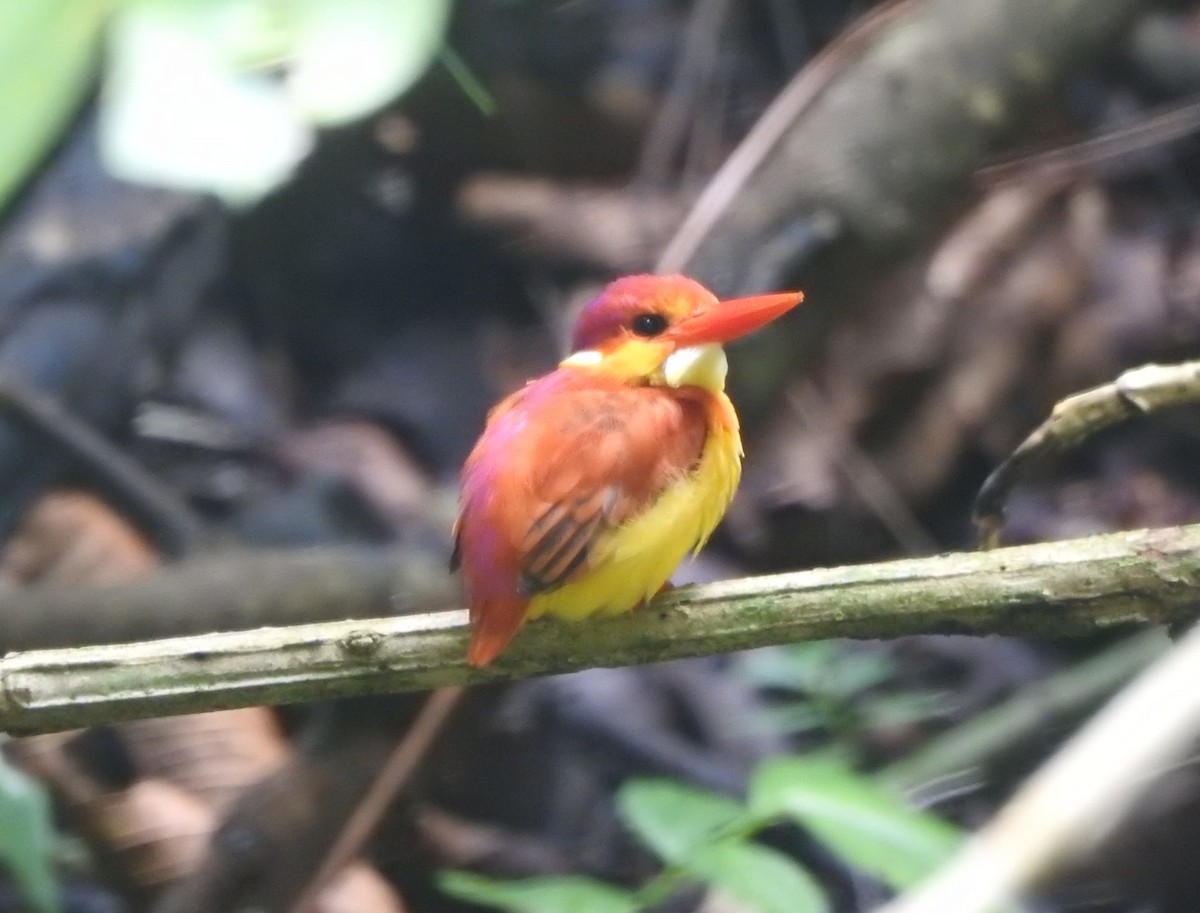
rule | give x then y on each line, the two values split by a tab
590	484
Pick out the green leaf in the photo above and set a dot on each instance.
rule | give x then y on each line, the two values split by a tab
904	708
799	717
179	112
551	894
27	838
47	49
758	876
796	667
858	818
352	56
673	819
823	667
467	81
223	95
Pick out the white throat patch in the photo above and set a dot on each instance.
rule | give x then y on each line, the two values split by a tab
584	358
697	366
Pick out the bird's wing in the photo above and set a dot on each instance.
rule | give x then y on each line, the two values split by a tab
557	543
590	459
560	463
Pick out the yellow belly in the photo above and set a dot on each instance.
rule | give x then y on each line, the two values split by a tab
632	562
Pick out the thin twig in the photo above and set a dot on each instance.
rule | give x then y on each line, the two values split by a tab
1155	129
167	518
1079	796
1055	704
770	128
861	472
701	42
1137	392
395	774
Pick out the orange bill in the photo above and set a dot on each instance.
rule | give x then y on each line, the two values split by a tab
727	320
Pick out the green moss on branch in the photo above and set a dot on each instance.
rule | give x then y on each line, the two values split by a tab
1055	589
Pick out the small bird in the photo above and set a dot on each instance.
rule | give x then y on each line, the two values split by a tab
590	484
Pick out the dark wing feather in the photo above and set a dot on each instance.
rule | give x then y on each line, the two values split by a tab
603	459
557	544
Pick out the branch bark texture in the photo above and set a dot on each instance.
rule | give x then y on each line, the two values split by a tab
227	592
887	148
1051	590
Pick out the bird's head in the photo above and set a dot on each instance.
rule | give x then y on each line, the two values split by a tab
666	330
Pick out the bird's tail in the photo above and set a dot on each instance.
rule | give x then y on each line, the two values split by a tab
492	628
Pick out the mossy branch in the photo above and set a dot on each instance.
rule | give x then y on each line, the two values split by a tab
1056	589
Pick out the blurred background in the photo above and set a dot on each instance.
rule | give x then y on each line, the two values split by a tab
265	264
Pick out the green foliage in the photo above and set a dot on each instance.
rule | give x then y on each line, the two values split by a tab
761	878
224	95
709	837
47	50
27	838
857	818
836	690
219	96
705	835
674	819
475	91
560	894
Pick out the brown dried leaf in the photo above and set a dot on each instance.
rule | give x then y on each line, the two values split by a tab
616	230
214	756
155	830
148	834
371	459
74	537
359	889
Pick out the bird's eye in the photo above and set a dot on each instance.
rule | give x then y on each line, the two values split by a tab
648	324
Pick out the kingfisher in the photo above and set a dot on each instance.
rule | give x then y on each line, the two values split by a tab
591	483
